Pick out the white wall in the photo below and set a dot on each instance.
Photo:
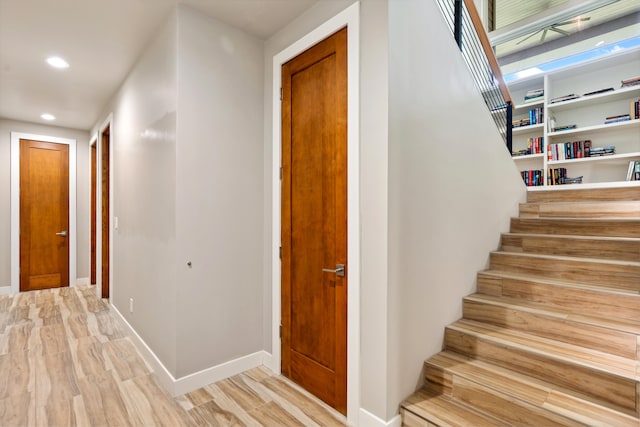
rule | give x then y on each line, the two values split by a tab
144	189
83	188
219	193
452	189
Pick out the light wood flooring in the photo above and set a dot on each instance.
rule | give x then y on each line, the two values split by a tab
65	361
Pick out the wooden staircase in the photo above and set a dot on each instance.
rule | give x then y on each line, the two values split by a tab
552	337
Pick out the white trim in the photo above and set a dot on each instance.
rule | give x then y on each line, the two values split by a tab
367	419
182	385
80	281
350	17
15	204
5	290
108	122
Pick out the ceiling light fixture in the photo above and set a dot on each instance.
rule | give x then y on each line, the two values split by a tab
57	62
48	116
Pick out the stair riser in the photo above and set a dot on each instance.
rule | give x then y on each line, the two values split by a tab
591	195
578	299
598	338
621	250
576	227
581	210
489	401
583	271
600	386
409	419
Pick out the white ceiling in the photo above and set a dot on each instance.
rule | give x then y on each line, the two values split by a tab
101	39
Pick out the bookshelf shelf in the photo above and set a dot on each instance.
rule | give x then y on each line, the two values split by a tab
528	157
622	158
588	113
596	128
585	101
528	129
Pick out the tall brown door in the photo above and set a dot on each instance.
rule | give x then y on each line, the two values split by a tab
105	155
44	215
314	220
94	193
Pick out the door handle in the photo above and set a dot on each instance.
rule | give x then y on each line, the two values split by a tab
339	270
62	233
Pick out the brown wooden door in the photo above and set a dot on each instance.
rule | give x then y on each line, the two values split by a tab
314	219
44	215
94	199
105	155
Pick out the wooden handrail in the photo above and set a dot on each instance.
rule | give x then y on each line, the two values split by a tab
486	46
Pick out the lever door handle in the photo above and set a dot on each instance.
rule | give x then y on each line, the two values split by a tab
62	233
339	270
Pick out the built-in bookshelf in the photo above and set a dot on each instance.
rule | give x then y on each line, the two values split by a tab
581	103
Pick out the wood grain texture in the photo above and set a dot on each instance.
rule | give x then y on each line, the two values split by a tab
619	209
627	227
553	335
615	248
82	369
314	219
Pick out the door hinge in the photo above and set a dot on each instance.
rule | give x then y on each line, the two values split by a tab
280	173
280	252
280	94
280	331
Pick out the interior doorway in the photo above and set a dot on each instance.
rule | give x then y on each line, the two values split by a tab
314	220
94	207
105	166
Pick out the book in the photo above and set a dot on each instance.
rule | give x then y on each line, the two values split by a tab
630	82
564	98
634	109
564	127
595	92
636	171
630	170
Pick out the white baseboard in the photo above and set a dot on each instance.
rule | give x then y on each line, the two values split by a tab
367	419
5	290
82	281
182	385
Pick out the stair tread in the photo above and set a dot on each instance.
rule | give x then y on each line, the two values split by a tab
568	353
444	411
576	237
618	324
533	391
570	258
558	282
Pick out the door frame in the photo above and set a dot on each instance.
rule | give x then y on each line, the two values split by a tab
93	210
350	18
15	205
107	123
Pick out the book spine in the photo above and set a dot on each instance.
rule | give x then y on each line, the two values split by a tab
637	171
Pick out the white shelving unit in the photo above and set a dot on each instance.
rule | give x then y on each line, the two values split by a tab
588	114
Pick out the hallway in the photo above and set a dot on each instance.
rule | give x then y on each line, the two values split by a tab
65	360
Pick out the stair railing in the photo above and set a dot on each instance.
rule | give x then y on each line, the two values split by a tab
471	37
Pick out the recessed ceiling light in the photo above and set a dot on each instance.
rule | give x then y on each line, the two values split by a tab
48	116
57	62
600	43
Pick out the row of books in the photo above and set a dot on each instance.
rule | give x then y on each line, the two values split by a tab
534	95
634	109
630	82
617	119
633	172
536	146
569	150
518	123
532	178
559	177
536	115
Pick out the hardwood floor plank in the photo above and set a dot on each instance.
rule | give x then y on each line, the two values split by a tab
16	374
210	414
16	410
125	359
65	360
273	415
